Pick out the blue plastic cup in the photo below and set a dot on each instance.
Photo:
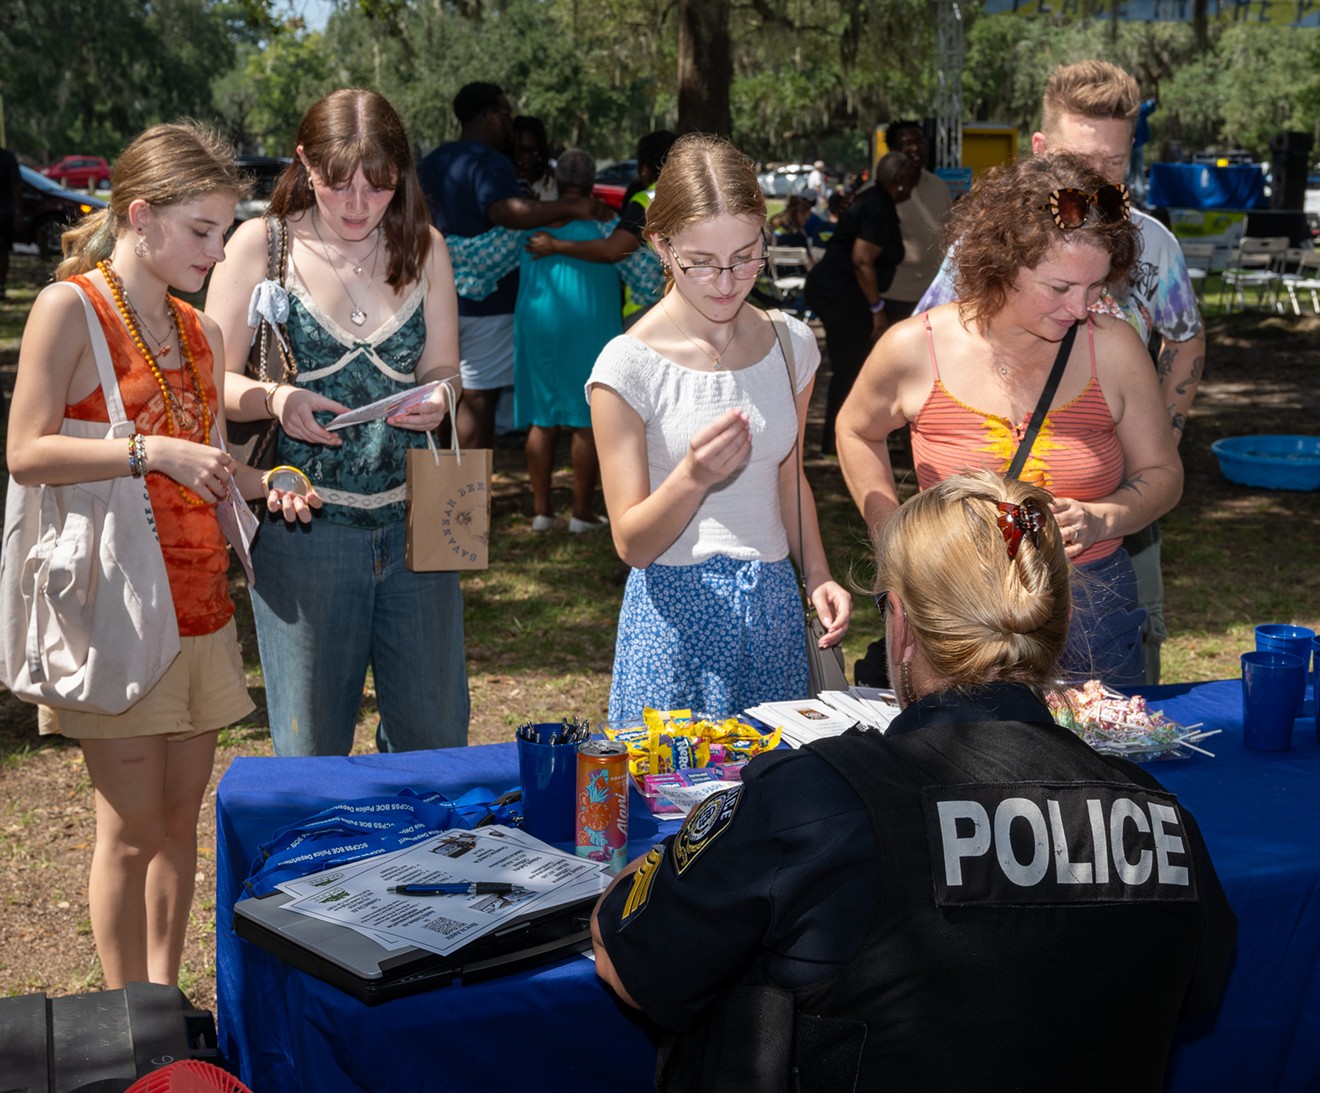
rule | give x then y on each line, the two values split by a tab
1282	637
1269	699
548	776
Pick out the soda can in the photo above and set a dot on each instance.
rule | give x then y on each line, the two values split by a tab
602	802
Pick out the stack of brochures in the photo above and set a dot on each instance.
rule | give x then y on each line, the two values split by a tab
512	876
829	714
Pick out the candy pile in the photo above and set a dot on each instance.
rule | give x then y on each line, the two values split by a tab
1110	721
674	740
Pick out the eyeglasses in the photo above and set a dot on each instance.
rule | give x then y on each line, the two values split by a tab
882	602
746	270
1068	207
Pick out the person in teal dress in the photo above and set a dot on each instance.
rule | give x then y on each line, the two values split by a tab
568	309
372	312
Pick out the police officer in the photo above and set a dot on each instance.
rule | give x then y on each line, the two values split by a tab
974	900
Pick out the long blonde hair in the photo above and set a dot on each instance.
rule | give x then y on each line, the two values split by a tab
167	164
977	614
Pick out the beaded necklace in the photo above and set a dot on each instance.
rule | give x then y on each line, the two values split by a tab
127	313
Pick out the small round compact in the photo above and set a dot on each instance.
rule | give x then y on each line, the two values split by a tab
289	480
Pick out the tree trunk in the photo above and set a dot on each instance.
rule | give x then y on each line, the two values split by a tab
705	66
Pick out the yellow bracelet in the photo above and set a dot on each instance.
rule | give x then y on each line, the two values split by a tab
289	479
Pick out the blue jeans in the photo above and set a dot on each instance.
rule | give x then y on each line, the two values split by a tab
331	601
1105	637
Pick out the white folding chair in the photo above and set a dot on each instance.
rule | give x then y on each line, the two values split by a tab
1299	276
1200	259
1256	263
787	269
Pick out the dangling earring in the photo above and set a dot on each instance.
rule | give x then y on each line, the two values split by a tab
140	248
310	184
905	692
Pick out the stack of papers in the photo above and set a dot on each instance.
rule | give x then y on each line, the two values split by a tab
358	895
829	714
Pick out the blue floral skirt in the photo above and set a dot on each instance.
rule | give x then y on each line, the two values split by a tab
714	638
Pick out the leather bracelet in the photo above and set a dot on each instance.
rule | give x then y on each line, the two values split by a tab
878	306
270	396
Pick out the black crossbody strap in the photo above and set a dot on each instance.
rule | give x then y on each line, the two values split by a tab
1046	397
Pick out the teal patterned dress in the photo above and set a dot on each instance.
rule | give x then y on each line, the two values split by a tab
362	482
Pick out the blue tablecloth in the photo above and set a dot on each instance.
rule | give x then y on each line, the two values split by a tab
1205	186
557	1028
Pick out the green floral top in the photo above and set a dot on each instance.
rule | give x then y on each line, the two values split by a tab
362	482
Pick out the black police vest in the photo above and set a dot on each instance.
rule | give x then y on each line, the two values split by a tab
1037	920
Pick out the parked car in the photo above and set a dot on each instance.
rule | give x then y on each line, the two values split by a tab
621	173
80	172
612	182
784	180
47	209
265	171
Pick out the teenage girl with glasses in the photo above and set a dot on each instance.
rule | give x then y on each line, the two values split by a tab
700	439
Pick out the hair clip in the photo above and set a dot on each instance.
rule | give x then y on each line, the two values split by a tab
1014	520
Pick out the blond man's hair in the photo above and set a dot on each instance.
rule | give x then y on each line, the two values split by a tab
1089	89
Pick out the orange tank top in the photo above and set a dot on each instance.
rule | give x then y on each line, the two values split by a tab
1077	453
196	555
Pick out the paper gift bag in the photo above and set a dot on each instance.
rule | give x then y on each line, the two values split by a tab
448	509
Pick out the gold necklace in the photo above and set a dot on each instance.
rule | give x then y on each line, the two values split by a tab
120	294
358	317
714	357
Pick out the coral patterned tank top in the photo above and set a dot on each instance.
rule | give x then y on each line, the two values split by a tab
196	555
1077	453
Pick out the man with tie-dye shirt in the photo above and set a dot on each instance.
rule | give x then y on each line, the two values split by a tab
1090	109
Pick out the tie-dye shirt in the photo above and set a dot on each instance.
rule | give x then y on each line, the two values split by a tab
194	548
1161	297
1077	453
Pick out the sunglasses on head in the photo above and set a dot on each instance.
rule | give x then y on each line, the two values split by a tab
1068	207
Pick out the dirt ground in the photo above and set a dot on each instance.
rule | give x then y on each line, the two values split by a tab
1263	378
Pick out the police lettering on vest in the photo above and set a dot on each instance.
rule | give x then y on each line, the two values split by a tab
1033	843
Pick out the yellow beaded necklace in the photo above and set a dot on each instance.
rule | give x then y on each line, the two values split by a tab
126	313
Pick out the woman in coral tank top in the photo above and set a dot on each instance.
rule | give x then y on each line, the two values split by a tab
1037	241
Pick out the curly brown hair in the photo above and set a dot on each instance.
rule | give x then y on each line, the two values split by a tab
1004	226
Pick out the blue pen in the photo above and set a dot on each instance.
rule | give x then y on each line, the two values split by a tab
473	888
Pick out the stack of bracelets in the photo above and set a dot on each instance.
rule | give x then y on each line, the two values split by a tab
137	455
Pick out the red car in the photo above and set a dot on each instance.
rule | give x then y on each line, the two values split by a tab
80	172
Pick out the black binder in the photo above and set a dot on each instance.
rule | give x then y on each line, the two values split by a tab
373	974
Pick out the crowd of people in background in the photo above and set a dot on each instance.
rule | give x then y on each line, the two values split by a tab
489	266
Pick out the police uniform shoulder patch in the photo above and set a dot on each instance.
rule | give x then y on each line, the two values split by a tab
705	823
642	881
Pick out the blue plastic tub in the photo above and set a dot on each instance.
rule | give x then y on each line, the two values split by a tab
1272	462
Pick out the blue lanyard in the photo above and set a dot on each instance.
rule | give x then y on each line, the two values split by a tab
353	830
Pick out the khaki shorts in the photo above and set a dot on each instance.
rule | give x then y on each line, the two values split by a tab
203	690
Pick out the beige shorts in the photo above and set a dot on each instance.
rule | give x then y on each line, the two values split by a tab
203	690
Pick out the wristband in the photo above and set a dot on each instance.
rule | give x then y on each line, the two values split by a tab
137	455
878	306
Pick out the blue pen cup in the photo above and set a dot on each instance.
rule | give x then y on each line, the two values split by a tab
548	776
1269	699
1282	637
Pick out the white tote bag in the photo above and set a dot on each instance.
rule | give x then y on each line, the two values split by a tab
86	616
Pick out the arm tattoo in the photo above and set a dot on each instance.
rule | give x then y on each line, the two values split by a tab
1198	366
1178	421
1165	365
1134	483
